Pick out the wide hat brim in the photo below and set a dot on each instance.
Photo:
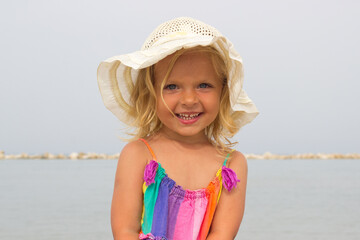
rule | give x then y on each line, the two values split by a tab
115	93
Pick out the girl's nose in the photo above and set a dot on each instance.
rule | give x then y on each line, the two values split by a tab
189	97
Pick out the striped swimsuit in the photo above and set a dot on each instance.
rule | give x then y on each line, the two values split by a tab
170	212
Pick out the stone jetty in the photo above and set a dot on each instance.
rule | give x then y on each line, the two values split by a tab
91	155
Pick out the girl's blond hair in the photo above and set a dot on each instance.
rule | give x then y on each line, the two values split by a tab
143	101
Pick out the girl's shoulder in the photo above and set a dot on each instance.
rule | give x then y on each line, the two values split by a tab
237	162
136	152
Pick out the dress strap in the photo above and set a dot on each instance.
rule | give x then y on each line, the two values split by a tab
148	146
227	157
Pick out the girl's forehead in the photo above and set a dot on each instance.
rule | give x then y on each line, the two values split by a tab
184	61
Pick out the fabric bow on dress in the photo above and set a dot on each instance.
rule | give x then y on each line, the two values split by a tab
229	178
150	172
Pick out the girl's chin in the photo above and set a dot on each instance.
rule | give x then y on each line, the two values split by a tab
183	133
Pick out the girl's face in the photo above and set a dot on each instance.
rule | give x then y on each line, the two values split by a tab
192	92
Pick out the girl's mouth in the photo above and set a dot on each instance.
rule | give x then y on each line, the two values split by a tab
188	118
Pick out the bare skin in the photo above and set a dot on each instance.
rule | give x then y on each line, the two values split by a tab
183	151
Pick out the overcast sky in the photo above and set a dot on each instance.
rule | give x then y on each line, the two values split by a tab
301	61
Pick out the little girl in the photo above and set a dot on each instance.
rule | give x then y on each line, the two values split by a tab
179	177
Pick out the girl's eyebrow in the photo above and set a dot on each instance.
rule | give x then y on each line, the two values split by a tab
214	80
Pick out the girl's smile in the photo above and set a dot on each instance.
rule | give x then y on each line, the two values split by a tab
189	100
188	118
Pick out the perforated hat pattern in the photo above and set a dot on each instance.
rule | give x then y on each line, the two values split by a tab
180	25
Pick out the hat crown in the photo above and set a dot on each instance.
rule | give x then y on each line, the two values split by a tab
180	27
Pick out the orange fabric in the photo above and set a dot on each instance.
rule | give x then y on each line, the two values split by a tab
213	190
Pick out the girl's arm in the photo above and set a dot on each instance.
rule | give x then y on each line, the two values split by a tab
230	209
127	202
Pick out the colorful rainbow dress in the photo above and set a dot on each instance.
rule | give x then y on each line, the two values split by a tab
172	213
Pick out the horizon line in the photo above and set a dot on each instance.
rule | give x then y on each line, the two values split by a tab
91	155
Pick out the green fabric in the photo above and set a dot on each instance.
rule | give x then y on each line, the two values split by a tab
227	156
150	197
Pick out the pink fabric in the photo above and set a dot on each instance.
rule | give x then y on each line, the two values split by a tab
149	236
229	178
150	172
200	208
185	220
190	215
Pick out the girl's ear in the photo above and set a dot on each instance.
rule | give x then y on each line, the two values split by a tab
225	81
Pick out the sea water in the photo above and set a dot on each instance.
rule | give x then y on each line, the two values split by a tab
286	199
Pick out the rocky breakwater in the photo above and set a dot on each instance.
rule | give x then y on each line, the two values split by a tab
72	156
91	155
269	155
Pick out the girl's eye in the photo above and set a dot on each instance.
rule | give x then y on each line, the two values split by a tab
170	87
204	85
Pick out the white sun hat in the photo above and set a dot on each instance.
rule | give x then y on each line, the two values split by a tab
167	38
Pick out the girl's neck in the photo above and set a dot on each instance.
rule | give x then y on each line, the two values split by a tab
200	138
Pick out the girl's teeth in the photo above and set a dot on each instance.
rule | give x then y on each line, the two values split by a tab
188	116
